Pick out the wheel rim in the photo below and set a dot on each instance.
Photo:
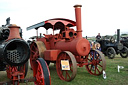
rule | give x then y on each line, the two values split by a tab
41	72
39	75
66	75
34	53
97	62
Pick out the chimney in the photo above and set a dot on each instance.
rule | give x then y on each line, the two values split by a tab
14	32
8	21
118	35
78	20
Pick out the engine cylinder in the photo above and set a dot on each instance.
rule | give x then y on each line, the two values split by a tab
78	46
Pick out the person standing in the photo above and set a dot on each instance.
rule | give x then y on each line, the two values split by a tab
98	37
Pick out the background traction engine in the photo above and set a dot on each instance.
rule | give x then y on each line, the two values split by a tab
68	49
14	54
110	47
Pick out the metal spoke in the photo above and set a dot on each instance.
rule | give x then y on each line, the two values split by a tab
68	74
32	51
95	69
98	70
34	47
91	67
89	60
62	71
71	68
65	56
100	65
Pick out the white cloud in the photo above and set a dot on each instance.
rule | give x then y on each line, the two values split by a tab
104	16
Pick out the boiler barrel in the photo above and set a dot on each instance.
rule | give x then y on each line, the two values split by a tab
78	46
15	52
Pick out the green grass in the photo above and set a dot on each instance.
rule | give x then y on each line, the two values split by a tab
84	78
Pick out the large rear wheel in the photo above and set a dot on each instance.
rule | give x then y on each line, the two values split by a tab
37	49
124	52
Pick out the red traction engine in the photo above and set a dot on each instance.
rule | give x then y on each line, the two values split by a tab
14	55
68	49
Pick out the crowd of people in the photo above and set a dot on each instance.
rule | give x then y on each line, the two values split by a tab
96	45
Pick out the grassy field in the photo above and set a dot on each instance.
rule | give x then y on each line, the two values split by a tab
84	78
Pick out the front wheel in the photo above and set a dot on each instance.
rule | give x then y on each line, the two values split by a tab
41	72
111	52
66	75
124	52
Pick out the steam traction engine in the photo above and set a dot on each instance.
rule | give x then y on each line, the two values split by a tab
68	49
111	47
14	54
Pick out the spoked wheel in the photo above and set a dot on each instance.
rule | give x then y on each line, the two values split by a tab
111	52
96	62
124	52
69	74
37	49
41	72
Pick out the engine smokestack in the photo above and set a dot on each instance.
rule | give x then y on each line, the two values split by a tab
118	35
8	21
78	20
14	32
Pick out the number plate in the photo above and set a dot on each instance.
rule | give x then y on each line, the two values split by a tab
65	65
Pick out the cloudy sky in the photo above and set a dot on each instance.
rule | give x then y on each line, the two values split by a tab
98	16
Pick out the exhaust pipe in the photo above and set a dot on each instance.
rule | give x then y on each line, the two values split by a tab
78	20
118	35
